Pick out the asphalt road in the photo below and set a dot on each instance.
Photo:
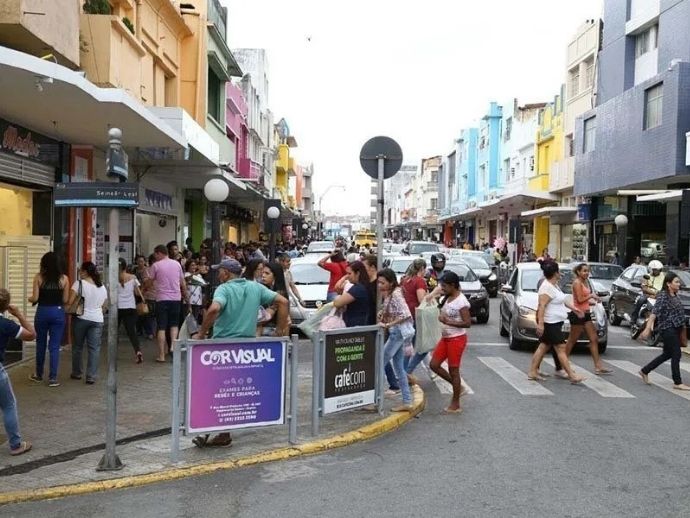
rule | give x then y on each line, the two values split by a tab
614	447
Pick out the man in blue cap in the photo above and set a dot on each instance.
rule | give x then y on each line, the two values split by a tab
233	314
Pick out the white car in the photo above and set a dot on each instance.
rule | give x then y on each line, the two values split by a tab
320	247
312	282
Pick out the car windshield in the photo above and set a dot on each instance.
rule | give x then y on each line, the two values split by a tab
566	282
475	262
529	280
605	271
418	248
309	274
400	265
684	278
324	246
463	271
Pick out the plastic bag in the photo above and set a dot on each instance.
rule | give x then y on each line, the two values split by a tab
332	321
428	327
311	325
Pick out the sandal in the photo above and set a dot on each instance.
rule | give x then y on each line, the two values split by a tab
222	440
140	357
200	440
538	377
23	448
605	370
451	411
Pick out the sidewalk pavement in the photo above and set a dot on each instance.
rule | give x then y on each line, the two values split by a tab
66	426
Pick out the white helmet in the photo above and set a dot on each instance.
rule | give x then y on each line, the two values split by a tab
655	265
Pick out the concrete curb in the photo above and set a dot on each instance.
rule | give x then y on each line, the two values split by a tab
363	433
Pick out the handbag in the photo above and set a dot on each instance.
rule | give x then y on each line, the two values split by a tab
142	308
76	308
332	321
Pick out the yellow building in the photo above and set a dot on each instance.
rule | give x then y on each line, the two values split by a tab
285	164
549	149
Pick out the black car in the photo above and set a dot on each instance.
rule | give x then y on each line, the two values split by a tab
482	269
628	286
476	294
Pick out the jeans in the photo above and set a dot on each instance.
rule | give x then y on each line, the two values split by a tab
393	350
8	404
331	296
411	362
50	326
129	317
86	330
391	377
671	338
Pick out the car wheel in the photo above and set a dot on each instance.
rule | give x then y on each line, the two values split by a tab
513	343
501	328
483	319
602	347
614	319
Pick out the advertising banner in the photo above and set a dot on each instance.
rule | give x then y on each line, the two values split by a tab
350	371
235	385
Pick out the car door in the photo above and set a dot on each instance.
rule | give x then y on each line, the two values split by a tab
508	298
631	289
619	288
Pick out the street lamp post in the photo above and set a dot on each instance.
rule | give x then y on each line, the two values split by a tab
273	214
320	225
621	222
216	191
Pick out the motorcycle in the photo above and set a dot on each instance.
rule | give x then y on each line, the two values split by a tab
639	324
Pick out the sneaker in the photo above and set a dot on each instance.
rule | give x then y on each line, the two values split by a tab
75	376
36	379
391	392
53	383
402	408
90	381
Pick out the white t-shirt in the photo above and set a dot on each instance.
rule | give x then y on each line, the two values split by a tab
125	294
452	309
555	311
94	298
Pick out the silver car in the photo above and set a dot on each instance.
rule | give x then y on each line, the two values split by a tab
312	282
518	309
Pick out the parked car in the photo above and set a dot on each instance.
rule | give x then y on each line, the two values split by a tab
482	269
418	247
628	286
518	308
312	282
320	247
601	276
399	264
472	288
394	248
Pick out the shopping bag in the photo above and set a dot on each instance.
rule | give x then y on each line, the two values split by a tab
189	327
332	321
428	327
311	325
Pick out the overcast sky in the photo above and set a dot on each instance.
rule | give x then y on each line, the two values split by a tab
343	72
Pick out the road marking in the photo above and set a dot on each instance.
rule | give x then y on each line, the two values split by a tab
515	377
656	379
632	347
442	385
489	344
597	383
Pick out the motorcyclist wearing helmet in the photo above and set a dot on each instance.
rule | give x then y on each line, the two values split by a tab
434	274
651	285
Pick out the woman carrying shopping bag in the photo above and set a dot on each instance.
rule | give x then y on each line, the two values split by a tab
397	320
414	290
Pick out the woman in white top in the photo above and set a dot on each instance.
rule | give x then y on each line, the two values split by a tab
88	326
127	291
455	319
552	312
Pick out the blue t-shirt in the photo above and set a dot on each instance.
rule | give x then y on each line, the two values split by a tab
8	330
239	300
357	312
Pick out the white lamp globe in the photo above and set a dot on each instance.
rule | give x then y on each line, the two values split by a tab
216	190
305	226
273	212
621	220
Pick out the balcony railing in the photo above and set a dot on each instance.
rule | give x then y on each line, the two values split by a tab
250	170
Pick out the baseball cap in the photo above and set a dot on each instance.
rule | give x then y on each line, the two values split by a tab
230	265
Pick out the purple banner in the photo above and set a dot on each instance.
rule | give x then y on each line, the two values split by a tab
235	385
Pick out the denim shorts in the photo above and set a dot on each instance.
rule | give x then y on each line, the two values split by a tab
168	314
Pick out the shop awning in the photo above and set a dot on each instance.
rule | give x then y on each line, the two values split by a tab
558	215
666	196
62	104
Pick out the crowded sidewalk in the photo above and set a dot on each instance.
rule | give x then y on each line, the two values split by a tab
66	424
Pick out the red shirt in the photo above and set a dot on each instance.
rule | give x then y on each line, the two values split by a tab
410	285
337	272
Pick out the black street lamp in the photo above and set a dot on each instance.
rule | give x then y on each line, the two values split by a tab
216	191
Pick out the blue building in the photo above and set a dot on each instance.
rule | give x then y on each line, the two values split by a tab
635	137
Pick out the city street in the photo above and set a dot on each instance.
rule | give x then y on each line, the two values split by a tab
610	447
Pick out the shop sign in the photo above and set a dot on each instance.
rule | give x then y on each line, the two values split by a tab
236	385
96	194
23	142
350	371
584	211
158	200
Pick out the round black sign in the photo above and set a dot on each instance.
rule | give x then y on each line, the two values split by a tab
381	147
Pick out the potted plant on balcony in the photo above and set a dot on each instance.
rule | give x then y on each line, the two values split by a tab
97	7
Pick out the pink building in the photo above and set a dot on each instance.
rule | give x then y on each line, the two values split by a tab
236	128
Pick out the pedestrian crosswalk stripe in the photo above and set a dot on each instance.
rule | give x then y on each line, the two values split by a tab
443	386
685	367
656	379
514	376
597	383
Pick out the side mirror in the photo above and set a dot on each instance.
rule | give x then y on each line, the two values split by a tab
507	288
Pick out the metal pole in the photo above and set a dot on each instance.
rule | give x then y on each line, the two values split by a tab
176	382
272	246
294	385
315	383
215	239
110	461
379	218
380	369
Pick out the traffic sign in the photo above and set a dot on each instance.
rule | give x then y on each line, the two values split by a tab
381	147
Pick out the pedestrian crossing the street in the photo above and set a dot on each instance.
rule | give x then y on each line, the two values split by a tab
603	386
